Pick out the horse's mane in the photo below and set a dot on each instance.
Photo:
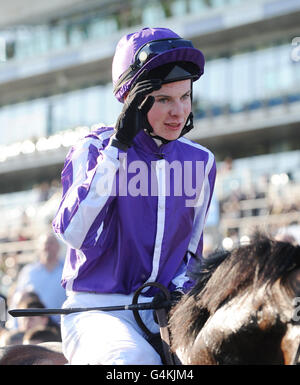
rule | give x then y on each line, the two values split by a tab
223	275
262	262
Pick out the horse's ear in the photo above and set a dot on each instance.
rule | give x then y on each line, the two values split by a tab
293	281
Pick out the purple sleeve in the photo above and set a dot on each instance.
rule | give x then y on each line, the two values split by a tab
87	180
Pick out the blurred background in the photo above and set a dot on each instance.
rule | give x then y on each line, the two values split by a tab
55	82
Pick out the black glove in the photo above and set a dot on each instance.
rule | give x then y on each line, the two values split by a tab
176	296
160	297
133	117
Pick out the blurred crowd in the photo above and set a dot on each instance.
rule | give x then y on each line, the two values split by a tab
253	202
37	285
268	196
278	193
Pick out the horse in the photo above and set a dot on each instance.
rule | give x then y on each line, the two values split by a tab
46	353
243	308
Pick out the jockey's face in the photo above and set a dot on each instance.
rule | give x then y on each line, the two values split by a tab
171	109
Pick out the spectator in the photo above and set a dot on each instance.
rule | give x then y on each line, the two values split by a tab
43	277
41	334
17	301
11	337
27	323
31	330
27	296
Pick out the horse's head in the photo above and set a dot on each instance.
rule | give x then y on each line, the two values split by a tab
243	310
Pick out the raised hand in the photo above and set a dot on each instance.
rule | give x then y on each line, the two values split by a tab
134	114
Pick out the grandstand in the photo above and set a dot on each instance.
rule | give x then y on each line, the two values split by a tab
55	80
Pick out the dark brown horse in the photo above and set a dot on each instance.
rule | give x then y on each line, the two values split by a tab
242	309
42	354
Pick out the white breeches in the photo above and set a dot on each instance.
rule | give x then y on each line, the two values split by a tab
106	338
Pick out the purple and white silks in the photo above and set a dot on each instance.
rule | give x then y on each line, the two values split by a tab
135	217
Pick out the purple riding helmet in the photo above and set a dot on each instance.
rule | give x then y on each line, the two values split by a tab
155	53
147	49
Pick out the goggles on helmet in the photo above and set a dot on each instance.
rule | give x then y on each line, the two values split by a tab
149	50
156	47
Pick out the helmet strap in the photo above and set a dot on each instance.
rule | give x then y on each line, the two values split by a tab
187	127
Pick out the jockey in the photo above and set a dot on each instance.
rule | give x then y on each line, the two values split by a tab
135	200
